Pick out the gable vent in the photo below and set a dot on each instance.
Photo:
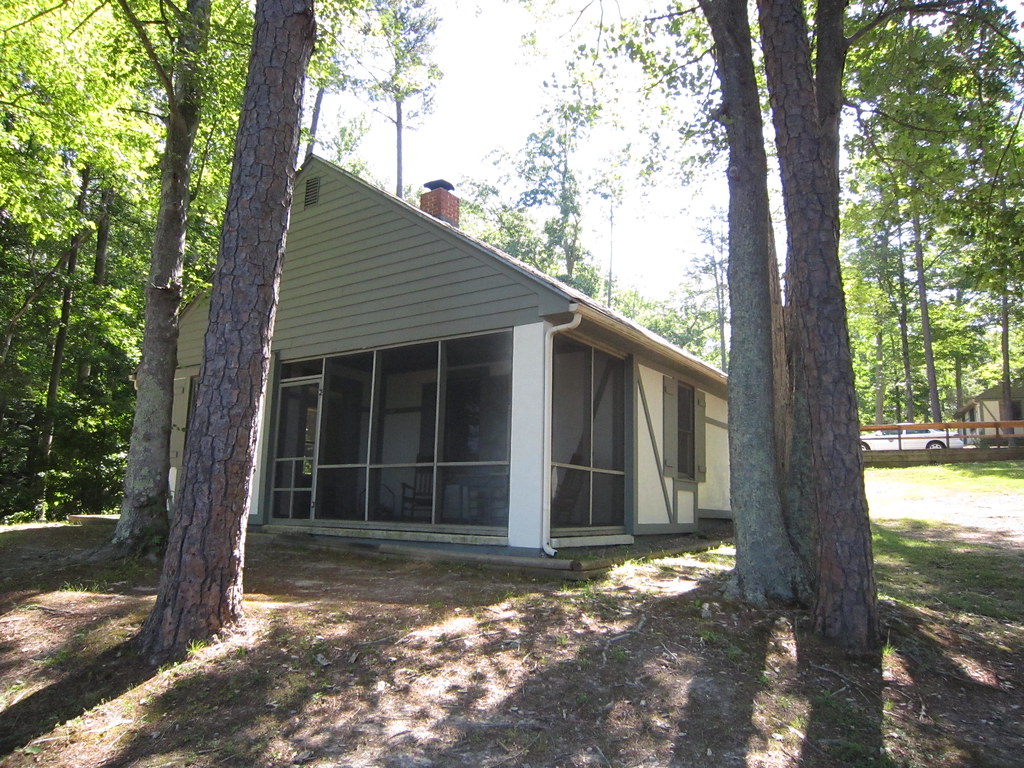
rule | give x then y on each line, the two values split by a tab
312	196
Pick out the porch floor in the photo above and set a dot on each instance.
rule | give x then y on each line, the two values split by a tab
575	564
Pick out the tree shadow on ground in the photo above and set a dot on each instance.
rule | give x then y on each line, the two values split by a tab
961	689
401	664
718	724
988	469
109	675
427	698
43	558
843	725
971	571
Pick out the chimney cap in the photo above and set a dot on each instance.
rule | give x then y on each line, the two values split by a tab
440	184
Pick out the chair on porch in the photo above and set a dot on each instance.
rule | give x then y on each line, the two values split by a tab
418	498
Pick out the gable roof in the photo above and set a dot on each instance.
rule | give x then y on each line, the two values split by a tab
605	318
996	393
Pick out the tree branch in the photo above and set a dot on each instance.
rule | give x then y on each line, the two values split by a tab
88	16
32	18
952	131
161	72
903	9
672	16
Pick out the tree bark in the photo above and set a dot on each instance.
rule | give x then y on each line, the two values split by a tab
902	318
926	324
879	377
143	523
845	608
1006	384
720	307
399	128
314	121
958	363
99	269
201	583
767	568
60	341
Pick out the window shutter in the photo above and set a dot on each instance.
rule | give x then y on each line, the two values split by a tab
700	454
670	427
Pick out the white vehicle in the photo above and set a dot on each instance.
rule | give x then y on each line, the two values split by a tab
908	439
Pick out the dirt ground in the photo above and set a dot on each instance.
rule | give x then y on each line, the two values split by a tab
355	662
992	517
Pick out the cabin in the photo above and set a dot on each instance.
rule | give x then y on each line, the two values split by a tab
426	387
986	406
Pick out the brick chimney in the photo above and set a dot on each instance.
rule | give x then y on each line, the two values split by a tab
439	201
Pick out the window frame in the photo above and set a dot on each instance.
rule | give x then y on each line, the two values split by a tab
563	470
483	487
695	469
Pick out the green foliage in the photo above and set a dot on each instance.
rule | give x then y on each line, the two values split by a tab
382	51
936	143
546	171
81	115
70	97
404	29
694	316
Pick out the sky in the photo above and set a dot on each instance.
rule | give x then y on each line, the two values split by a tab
488	101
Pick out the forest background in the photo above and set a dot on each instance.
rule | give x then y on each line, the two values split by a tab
931	226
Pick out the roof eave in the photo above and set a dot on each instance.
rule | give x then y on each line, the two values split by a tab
651	342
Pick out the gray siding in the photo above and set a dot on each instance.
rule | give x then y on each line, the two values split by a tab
191	328
365	271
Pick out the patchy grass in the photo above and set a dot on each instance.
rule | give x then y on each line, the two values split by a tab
925	565
346	661
932	481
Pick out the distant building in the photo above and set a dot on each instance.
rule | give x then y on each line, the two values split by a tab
985	407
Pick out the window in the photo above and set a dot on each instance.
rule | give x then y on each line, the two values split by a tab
587	436
684	431
402	480
344	437
296	437
414	435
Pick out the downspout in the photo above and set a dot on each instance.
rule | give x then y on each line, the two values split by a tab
549	343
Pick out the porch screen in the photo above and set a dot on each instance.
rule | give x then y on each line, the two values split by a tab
588	437
406	437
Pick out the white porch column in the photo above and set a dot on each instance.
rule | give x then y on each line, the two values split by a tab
526	470
259	503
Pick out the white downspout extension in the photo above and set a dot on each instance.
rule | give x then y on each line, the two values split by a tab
549	337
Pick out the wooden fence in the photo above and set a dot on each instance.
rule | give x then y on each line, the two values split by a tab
983	441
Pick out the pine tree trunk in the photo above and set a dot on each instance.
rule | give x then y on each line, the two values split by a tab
879	377
314	121
1006	382
201	584
60	341
99	269
143	523
958	363
720	307
926	323
902	316
767	568
399	128
845	608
